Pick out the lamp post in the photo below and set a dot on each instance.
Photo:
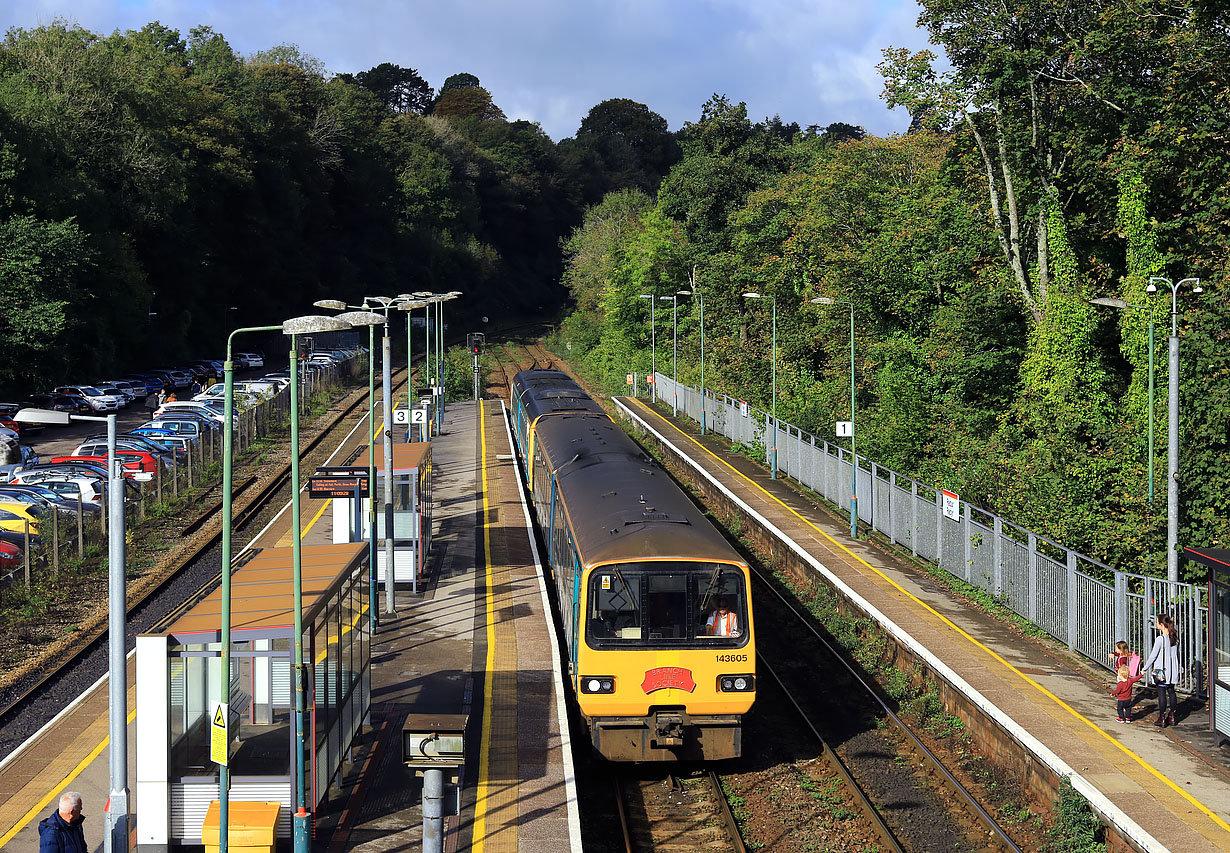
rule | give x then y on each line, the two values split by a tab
674	300
408	306
773	450
824	300
700	297
653	346
1172	425
116	838
310	324
444	297
338	305
228	467
1124	306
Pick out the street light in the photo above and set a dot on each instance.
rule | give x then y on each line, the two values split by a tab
310	324
674	300
116	838
695	291
773	452
338	305
1172	417
384	303
653	346
824	300
1110	302
408	306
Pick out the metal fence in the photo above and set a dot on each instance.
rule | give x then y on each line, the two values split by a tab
64	536
1076	599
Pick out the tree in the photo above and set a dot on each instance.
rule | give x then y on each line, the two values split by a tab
468	102
459	81
400	89
634	143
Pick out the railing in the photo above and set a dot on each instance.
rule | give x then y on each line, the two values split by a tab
1076	599
64	536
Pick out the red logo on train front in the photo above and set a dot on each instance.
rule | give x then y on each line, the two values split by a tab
668	676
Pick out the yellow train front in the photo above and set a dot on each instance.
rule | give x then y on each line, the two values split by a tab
656	611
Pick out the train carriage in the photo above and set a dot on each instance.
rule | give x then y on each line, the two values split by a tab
536	394
657	616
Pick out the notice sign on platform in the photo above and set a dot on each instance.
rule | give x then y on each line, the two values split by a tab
219	736
401	416
743	410
630	378
952	505
336	487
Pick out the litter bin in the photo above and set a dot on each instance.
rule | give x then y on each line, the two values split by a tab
253	827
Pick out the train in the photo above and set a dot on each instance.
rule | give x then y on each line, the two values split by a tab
655	604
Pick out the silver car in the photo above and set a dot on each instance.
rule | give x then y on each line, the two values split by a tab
98	401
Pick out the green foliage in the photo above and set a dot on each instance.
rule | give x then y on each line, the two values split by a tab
1076	828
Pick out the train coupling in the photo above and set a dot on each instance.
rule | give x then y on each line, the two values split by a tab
668	730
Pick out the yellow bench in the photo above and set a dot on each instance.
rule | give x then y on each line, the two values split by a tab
252	827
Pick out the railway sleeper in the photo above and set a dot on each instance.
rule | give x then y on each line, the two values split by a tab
668	734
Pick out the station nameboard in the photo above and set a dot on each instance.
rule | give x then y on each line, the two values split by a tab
331	486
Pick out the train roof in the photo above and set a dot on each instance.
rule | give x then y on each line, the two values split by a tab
547	392
622	506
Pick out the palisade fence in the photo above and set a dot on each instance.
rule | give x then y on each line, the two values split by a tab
1076	599
63	536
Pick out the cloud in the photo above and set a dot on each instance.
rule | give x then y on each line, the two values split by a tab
810	61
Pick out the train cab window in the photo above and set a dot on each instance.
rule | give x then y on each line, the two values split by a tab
615	607
663	604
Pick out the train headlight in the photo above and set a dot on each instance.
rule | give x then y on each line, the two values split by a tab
737	683
598	684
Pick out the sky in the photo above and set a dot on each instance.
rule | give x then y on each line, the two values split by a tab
550	61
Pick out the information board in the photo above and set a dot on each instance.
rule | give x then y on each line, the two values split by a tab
329	486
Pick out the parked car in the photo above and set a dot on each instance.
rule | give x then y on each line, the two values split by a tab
135	459
36	496
67	500
99	402
26	456
255	359
202	408
67	484
70	403
146	382
125	397
135	390
96	445
14	517
11	556
182	425
10	410
134	465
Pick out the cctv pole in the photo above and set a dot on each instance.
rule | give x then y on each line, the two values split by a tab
117	683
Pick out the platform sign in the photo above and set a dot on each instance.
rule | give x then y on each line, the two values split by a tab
418	415
337	487
341	470
219	734
631	378
401	416
845	429
952	505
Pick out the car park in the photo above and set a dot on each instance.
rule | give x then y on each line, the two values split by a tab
97	400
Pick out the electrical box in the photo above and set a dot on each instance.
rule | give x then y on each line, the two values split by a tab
436	742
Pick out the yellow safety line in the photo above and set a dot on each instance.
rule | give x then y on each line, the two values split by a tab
316	517
1092	725
64	783
484	761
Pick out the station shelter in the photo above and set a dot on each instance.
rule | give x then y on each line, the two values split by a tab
411	510
179	664
1217	561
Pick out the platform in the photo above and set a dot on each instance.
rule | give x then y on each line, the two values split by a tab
1166	789
477	640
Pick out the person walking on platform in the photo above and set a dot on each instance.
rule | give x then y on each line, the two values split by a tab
1122	691
1163	668
61	832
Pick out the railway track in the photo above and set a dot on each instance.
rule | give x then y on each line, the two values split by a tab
676	812
920	804
29	703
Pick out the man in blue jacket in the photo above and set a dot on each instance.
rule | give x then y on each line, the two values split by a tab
61	832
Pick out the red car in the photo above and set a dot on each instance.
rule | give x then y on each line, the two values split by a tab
137	464
10	556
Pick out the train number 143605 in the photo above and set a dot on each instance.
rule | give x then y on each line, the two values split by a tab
731	658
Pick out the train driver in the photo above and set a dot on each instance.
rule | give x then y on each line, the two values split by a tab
722	622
